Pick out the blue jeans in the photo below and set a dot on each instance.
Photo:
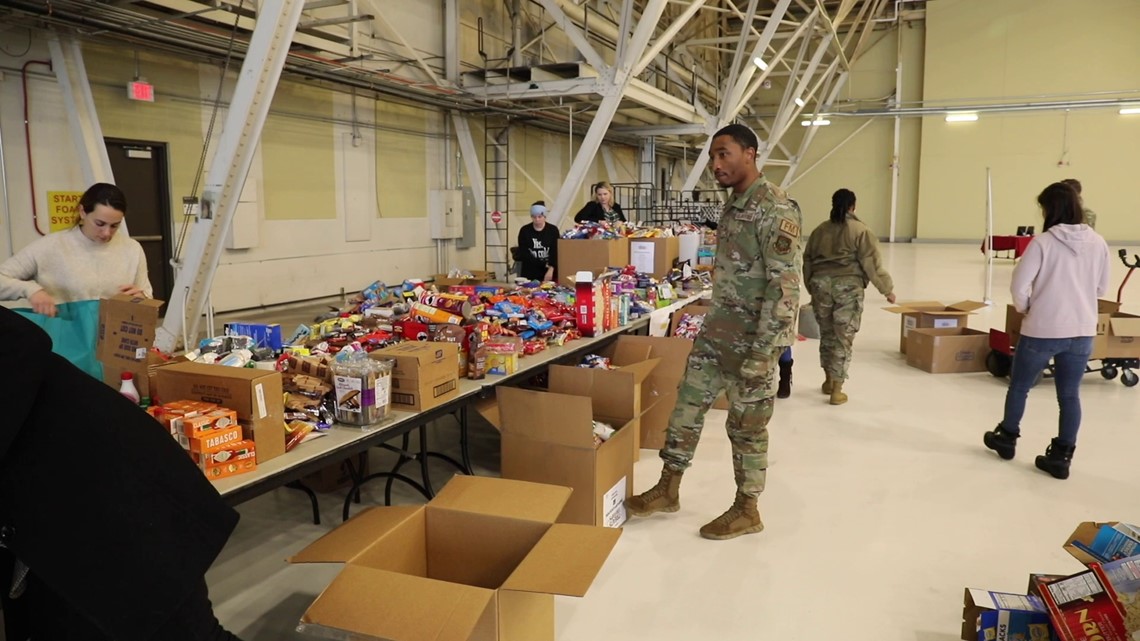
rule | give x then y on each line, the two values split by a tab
1070	356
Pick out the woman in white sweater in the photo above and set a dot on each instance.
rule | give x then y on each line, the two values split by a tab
1056	285
87	262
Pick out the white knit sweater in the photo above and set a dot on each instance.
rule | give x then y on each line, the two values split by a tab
72	267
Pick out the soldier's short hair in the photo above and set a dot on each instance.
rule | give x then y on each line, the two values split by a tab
743	136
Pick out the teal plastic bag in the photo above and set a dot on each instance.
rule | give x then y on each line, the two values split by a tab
73	332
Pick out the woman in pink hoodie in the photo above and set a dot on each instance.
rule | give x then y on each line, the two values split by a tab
1056	285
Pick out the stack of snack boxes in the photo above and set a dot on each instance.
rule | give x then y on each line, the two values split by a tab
211	436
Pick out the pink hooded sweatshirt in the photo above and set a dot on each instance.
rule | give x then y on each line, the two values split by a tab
1058	280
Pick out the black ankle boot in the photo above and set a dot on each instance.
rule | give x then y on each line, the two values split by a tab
1057	458
1002	442
785	388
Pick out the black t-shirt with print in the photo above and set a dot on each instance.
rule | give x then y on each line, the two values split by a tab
537	250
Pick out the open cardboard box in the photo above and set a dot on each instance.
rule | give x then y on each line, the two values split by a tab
953	350
549	438
124	339
618	393
255	394
932	314
480	562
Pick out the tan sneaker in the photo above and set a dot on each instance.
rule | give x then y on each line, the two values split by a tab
837	395
826	388
741	518
663	497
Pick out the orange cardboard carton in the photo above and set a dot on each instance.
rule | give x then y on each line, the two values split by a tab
200	425
212	442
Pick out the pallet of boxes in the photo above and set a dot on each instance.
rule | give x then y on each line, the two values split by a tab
1099	603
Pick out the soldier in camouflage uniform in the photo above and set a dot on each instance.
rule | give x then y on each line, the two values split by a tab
841	257
755	302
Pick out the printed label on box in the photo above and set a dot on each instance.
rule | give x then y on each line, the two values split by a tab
909	323
259	390
383	390
348	393
965	356
641	257
945	323
613	505
140	353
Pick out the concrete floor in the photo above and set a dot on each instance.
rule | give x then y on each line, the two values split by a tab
878	512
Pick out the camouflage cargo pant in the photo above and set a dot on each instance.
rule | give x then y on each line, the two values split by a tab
711	370
838	305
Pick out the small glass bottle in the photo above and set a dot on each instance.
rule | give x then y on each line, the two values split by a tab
127	387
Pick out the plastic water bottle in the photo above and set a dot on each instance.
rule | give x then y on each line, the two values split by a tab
127	387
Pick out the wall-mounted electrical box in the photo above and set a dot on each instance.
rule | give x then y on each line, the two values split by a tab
445	213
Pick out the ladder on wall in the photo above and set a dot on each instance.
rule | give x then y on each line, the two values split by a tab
496	206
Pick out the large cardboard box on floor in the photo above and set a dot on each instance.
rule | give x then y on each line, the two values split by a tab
616	393
932	314
255	394
659	391
480	562
125	336
592	256
654	256
424	375
1117	334
948	351
549	438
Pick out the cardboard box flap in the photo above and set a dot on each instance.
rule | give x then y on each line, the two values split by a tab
608	389
1107	306
354	536
1125	325
565	561
1085	534
149	303
201	369
389	605
910	307
503	497
966	306
543	416
626	353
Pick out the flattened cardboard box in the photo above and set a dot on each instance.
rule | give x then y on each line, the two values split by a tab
948	351
932	314
549	438
256	395
480	562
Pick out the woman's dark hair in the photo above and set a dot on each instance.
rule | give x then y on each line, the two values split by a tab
841	202
1074	183
103	194
1061	205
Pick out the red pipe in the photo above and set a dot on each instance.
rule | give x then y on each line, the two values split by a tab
28	140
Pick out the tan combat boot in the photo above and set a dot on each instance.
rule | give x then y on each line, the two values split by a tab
837	395
663	497
827	383
741	518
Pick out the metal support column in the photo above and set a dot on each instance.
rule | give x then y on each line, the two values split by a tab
269	45
67	61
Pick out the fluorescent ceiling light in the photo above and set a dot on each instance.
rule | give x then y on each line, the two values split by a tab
821	122
962	117
800	102
760	63
1129	111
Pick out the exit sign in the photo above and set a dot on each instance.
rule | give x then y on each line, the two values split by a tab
140	90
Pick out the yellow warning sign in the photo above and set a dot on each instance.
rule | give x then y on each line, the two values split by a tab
63	209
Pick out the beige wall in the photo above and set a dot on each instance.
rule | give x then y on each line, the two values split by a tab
297	155
863	163
1007	51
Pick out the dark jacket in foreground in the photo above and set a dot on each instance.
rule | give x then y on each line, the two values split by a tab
95	497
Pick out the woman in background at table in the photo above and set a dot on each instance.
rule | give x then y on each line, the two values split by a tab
602	208
87	262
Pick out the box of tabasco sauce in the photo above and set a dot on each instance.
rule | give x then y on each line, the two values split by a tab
1084	607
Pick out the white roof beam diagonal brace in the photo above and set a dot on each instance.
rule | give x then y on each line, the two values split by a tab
786	103
667	37
796	106
758	81
576	36
618	78
379	17
260	71
733	91
734	71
